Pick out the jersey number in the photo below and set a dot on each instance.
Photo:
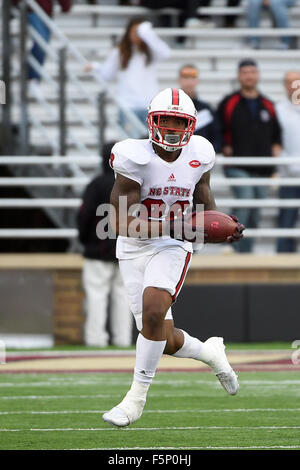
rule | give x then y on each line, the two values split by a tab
158	209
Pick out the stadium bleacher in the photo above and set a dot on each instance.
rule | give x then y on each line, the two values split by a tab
215	52
93	29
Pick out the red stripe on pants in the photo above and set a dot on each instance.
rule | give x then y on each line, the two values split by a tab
178	287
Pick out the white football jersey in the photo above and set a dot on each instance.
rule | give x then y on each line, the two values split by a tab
162	183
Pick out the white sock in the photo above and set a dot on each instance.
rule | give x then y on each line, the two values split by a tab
138	391
148	354
192	348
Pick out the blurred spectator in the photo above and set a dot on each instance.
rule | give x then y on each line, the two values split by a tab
288	112
279	13
37	51
188	15
101	276
133	63
249	128
229	20
206	124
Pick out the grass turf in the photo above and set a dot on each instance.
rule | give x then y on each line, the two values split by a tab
243	346
183	410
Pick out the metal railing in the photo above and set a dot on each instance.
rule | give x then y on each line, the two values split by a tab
65	42
117	10
82	181
74	203
92	161
59	57
29	120
116	31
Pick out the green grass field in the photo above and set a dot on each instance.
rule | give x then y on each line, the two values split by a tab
183	411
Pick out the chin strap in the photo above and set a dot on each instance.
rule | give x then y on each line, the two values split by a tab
164	142
167	148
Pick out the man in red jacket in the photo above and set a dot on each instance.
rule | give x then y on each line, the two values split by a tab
38	53
249	128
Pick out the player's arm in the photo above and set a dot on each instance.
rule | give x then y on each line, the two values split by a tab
125	222
203	193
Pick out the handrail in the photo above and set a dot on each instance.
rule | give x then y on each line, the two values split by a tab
272	232
45	181
39	203
75	202
51	52
140	10
83	180
257	161
38	233
81	59
195	32
255	181
71	233
55	160
42	130
41	70
220	160
46	105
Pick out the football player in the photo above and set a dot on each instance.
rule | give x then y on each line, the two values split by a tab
171	168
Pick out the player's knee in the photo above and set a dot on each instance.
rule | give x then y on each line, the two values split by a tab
153	316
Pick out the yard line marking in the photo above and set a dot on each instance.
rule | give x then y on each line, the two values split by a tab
54	397
106	395
167	428
69	381
227	410
110	395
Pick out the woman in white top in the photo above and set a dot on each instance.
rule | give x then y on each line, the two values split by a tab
133	64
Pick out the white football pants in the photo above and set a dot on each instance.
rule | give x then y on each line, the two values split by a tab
102	282
165	270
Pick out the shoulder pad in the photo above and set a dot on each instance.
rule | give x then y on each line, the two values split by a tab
136	150
202	148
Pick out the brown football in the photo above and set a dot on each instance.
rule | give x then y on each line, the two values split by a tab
218	226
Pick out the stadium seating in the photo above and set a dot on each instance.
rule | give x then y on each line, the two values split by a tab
216	51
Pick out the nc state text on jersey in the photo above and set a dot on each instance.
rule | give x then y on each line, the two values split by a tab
171	190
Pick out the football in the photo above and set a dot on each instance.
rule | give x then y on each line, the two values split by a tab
218	226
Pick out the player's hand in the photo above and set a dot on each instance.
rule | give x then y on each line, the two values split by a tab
180	229
238	234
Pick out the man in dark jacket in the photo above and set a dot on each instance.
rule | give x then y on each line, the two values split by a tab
207	124
101	277
37	51
249	128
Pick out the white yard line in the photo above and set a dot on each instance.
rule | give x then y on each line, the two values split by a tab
167	428
68	381
83	352
175	394
126	352
228	410
55	397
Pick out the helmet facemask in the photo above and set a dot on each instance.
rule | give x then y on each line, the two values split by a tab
161	135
